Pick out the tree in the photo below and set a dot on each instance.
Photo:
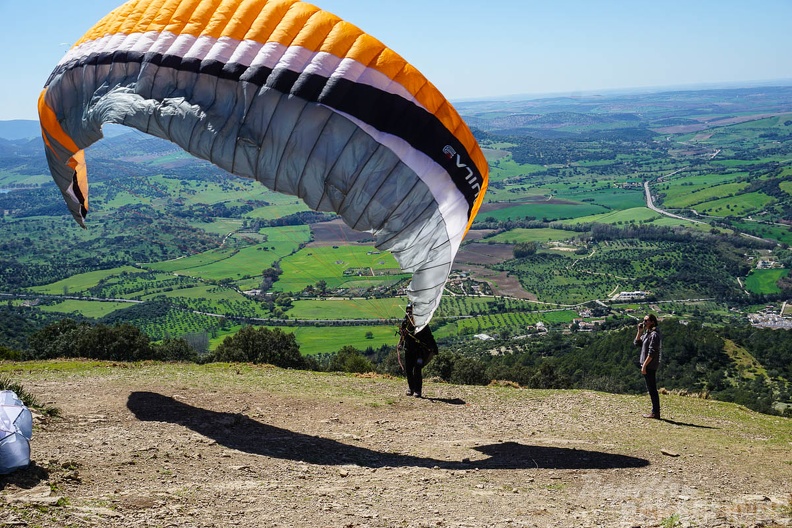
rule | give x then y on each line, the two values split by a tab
176	350
350	359
261	345
525	249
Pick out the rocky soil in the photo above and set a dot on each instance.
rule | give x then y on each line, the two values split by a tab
218	446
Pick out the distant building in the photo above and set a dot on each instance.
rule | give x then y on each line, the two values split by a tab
632	183
630	296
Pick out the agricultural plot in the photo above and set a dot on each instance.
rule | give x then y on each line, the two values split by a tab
615	199
177	323
684	183
11	180
476	249
198	214
184	264
741	205
338	266
80	284
780	233
315	340
765	281
467	306
348	309
515	323
515	236
515	194
278	204
242	263
552	278
238	264
667	269
218	226
216	300
92	309
682	197
505	168
549	210
635	215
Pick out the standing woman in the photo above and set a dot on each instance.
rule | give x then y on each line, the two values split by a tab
650	341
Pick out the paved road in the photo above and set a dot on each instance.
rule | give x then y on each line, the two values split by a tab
650	203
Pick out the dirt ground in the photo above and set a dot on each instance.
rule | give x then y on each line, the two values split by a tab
474	257
218	446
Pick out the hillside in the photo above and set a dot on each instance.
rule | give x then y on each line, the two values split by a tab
234	445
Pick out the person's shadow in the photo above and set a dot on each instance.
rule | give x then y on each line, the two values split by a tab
237	431
449	401
683	424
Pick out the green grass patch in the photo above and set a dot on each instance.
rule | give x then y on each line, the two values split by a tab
688	199
241	263
336	265
218	226
93	309
82	282
328	339
736	205
318	340
345	309
628	216
746	364
545	211
506	167
515	236
683	183
782	234
765	281
609	198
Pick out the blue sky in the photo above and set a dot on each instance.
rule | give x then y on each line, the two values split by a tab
475	49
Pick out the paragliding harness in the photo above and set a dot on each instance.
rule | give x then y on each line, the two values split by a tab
424	340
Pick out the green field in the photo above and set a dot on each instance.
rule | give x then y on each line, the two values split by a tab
341	309
338	266
683	183
515	236
680	200
505	167
517	323
780	233
82	282
548	211
242	263
739	205
317	340
93	309
314	340
628	216
765	281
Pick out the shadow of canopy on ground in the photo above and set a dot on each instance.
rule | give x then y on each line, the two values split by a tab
237	431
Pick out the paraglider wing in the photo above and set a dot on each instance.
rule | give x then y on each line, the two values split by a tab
16	430
287	94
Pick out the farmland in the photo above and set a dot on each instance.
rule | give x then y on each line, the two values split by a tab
180	248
